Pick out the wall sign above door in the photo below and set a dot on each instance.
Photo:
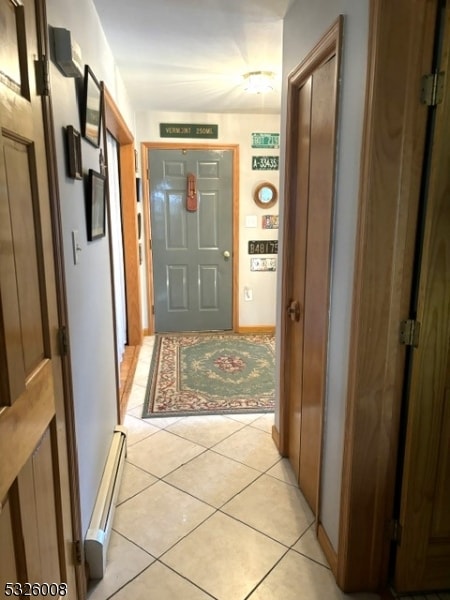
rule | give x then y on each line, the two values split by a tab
188	130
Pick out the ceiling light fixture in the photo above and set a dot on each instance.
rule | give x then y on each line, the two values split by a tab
259	82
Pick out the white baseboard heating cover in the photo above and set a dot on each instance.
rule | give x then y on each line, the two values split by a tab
99	532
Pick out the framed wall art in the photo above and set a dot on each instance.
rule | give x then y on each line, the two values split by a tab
265	195
138	189
95	205
73	148
91	108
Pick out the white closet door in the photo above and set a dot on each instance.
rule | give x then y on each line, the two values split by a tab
117	245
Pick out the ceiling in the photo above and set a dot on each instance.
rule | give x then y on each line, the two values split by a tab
190	55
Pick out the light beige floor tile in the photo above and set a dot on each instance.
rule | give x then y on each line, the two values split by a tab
212	477
298	577
124	561
162	452
142	373
250	446
134	480
136	397
162	422
245	418
137	429
284	472
205	430
160	583
159	516
224	557
146	351
136	411
272	507
264	422
309	546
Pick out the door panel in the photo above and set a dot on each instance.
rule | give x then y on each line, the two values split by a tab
26	290
423	555
36	494
298	237
31	518
208	278
192	278
440	525
177	287
316	298
310	192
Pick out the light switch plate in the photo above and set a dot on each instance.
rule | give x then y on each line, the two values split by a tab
75	247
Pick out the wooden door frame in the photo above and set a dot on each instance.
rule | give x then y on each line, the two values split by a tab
399	54
65	414
145	147
116	124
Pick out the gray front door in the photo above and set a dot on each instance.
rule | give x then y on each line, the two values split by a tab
192	262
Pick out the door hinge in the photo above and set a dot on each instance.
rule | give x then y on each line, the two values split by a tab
150	244
63	341
77	552
432	92
153	309
395	531
409	333
42	76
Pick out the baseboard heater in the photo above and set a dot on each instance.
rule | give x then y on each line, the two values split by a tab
97	537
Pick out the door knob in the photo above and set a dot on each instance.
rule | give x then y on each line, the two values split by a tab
294	310
226	255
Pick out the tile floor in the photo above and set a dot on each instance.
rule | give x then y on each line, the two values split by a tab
208	509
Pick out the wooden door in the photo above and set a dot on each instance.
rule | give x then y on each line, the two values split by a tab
33	509
313	92
423	555
192	249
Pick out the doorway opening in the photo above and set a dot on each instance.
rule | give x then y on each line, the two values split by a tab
116	126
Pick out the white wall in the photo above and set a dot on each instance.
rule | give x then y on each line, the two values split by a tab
304	25
88	283
236	129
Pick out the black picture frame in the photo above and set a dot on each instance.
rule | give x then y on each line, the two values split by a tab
139	225
91	108
95	205
138	189
73	147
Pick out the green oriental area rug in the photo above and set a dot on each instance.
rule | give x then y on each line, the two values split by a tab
200	374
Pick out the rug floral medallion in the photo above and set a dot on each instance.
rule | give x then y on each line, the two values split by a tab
194	374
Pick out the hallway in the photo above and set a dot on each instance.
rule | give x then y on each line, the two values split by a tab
208	509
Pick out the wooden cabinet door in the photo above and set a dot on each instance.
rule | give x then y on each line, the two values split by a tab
423	555
32	522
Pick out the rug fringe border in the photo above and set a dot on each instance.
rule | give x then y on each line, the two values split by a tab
208	413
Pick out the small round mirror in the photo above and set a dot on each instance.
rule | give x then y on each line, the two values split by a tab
265	195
